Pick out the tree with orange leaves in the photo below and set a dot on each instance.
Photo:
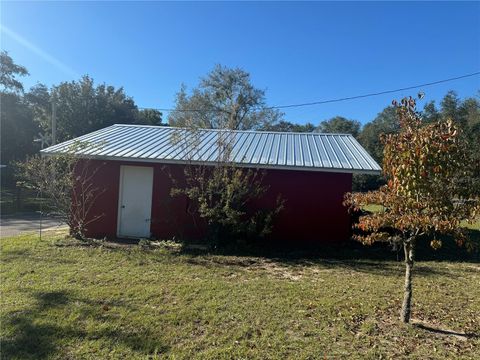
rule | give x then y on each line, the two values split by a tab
429	189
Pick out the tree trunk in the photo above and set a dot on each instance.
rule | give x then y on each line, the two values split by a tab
408	247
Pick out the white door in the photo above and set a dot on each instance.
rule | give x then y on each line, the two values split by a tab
135	201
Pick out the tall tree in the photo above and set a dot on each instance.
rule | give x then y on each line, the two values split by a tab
430	113
470	110
428	192
339	124
39	101
224	99
466	114
287	126
450	106
149	117
82	107
17	126
386	122
9	72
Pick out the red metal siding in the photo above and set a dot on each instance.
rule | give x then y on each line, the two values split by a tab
313	204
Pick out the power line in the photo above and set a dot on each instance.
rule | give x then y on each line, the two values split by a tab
341	99
377	93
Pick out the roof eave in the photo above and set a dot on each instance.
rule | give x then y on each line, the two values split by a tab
210	163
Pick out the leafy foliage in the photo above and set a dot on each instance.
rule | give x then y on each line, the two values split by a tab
83	107
222	194
287	126
386	122
18	128
339	124
67	183
429	189
16	117
366	182
9	71
464	113
224	99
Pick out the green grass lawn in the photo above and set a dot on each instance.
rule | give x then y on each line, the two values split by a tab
67	301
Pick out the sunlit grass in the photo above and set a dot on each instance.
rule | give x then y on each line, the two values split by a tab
63	300
374	208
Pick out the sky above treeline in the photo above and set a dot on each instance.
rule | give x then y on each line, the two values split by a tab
298	52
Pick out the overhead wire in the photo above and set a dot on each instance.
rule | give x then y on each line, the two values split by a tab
320	102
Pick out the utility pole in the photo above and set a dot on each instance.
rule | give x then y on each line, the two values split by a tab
54	122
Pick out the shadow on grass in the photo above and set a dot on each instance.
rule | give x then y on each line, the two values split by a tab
350	250
298	252
9	256
380	268
12	255
447	332
34	333
379	259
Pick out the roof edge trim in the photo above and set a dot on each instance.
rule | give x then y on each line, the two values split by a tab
211	163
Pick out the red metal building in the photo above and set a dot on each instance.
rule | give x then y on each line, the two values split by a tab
134	166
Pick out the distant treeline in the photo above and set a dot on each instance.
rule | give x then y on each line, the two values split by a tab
83	106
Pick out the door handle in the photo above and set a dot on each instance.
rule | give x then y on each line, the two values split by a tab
147	220
123	206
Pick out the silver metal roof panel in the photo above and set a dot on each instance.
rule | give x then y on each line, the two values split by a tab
261	149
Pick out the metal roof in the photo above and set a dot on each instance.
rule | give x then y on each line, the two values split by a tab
260	149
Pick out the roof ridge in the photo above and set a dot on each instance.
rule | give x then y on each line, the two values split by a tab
238	131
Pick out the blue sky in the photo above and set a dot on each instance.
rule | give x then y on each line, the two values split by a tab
298	52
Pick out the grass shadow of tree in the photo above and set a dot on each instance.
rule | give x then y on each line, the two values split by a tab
379	268
446	332
13	254
350	250
32	335
379	258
